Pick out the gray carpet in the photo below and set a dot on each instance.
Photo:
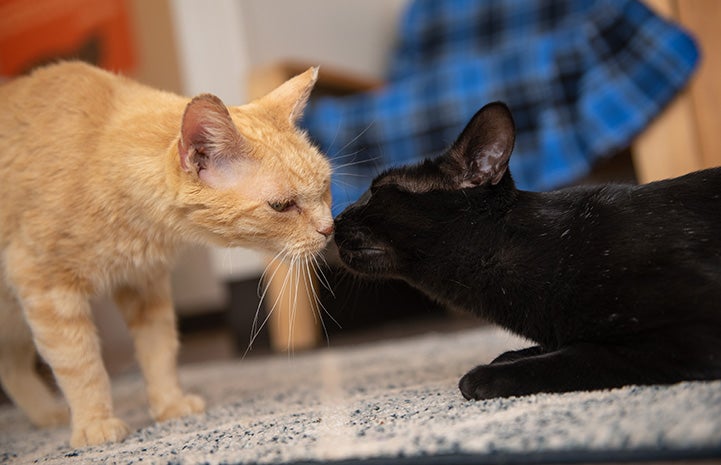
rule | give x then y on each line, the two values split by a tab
394	401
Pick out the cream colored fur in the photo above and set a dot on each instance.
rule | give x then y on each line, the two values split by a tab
101	181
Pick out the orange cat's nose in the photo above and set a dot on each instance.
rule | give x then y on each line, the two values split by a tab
327	231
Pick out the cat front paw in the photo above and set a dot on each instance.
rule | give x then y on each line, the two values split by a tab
186	405
483	382
98	432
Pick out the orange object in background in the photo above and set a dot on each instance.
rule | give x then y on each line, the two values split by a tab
35	32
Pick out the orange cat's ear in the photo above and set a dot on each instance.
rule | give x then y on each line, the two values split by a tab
290	98
209	140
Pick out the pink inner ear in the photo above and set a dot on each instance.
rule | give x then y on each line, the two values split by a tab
208	135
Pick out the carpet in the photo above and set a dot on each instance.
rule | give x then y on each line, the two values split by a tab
394	401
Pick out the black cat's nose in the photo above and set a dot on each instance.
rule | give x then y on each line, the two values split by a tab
327	231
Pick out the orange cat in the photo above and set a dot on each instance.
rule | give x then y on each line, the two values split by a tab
101	181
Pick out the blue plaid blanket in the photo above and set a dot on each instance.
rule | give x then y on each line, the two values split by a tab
582	78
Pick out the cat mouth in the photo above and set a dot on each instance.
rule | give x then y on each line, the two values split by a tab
365	259
364	250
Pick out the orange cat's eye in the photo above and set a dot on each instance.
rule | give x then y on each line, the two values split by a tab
282	206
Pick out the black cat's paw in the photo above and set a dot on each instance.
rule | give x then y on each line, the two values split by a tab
483	382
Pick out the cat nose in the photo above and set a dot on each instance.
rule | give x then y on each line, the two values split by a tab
327	231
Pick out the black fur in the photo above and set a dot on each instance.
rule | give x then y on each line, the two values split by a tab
617	284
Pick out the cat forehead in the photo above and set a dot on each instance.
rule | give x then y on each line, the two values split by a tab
304	173
285	152
417	179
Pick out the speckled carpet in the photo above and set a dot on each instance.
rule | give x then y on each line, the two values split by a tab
390	402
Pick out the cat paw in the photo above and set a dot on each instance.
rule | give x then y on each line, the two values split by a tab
54	415
483	382
183	406
98	432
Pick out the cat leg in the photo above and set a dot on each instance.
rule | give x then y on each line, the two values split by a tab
583	367
18	374
67	339
148	311
513	355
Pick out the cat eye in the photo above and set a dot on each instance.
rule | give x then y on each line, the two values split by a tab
282	206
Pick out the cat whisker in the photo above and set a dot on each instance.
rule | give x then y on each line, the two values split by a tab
356	137
297	270
338	156
313	298
302	271
267	267
255	328
355	175
266	283
320	304
355	163
335	136
320	275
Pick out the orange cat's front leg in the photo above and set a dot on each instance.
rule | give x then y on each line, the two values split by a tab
148	311
62	327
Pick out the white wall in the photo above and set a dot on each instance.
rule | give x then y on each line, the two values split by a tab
212	48
354	35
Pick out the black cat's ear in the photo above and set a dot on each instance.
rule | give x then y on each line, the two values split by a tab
484	147
209	141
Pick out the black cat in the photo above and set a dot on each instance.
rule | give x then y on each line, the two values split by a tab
617	284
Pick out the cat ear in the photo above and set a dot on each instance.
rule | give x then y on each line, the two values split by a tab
290	98
485	145
209	140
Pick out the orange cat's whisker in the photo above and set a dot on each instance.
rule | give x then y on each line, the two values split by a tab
319	303
350	142
291	324
316	304
355	163
255	328
322	278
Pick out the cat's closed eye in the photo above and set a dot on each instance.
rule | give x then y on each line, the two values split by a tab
282	206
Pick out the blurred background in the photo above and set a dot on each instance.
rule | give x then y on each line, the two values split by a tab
614	112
